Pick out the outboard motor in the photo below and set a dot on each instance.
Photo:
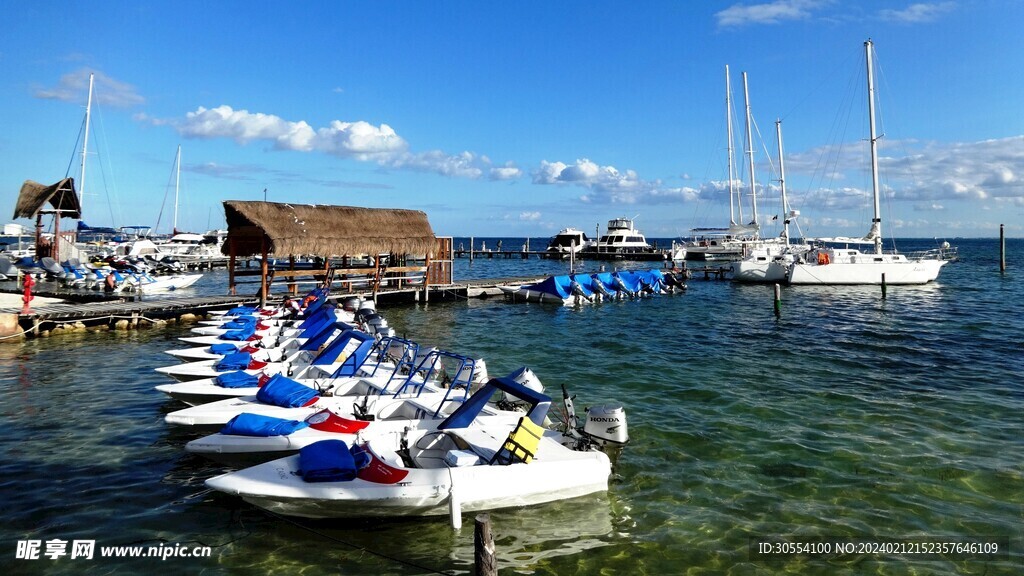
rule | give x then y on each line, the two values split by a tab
527	378
604	428
606	425
375	323
366	309
351	304
601	289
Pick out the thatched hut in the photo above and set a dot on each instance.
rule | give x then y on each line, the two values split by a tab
292	230
64	201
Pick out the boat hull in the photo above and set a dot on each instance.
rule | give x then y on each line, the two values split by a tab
759	272
909	272
277	486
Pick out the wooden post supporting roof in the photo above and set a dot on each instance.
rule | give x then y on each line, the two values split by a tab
231	266
264	267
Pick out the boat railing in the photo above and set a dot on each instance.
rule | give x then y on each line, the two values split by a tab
946	252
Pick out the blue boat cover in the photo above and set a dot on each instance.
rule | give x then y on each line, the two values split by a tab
246	424
464	415
626	280
224	348
554	285
237	379
327	461
234	361
240	322
653	278
285	392
240	334
240	311
603	282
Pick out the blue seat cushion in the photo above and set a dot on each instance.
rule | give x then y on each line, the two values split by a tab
327	461
246	424
285	392
237	380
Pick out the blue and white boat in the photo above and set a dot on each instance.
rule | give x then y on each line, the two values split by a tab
465	463
580	288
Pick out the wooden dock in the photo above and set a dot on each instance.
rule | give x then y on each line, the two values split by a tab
108	313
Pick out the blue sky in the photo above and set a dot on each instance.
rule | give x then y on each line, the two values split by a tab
521	118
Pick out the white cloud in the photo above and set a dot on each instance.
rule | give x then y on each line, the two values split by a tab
776	12
506	172
924	172
357	140
74	87
606	184
918	13
360	140
529	216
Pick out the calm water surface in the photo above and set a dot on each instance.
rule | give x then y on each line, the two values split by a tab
850	418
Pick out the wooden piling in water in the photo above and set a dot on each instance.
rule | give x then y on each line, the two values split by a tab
1002	248
883	286
484	563
778	301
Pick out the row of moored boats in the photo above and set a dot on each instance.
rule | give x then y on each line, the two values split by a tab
322	411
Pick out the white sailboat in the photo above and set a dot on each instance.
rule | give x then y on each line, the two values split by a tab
727	243
847	265
769	260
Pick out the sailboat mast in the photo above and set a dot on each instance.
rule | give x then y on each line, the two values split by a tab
782	184
728	123
177	181
750	152
876	223
85	145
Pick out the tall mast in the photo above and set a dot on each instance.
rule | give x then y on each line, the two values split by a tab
85	146
177	181
728	123
876	223
750	152
782	184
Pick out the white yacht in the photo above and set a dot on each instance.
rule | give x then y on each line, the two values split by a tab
622	242
846	265
567	242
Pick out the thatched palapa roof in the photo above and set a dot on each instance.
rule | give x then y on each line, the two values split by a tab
303	229
34	196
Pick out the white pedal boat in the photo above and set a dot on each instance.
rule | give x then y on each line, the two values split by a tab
398	354
342	418
333	344
466	464
339	392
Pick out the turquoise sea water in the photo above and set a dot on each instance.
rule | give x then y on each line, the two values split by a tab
852	417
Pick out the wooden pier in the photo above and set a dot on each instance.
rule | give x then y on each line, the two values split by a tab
120	313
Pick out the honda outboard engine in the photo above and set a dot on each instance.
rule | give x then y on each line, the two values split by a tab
606	425
604	428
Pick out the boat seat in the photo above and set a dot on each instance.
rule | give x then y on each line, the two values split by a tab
521	445
430	450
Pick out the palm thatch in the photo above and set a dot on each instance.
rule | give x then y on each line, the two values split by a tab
303	229
34	196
